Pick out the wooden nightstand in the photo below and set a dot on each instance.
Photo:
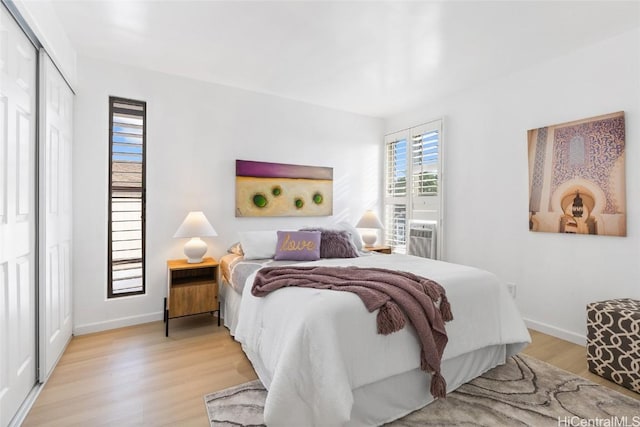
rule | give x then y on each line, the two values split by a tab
383	249
191	289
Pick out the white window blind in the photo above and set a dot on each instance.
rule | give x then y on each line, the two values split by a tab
425	154
396	160
395	227
396	187
127	197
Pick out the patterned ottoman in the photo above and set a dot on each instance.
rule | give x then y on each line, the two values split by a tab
613	341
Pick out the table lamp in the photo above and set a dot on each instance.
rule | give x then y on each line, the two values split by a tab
370	222
194	226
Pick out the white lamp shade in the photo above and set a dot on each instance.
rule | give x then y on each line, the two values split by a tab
369	220
195	225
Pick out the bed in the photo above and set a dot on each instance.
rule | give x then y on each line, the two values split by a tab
318	353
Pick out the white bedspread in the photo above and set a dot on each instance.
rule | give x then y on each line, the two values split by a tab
312	347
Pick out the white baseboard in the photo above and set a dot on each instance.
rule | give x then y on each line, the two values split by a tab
556	332
117	323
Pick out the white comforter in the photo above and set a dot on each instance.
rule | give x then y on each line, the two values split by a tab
312	347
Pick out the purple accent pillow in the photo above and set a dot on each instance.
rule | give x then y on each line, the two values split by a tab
298	246
335	244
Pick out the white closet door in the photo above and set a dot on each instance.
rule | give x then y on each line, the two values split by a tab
17	217
56	127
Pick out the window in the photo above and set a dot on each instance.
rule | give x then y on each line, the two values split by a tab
413	166
127	146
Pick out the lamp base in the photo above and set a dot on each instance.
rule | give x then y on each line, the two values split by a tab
369	239
195	250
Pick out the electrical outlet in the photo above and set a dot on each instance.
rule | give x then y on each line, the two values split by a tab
512	289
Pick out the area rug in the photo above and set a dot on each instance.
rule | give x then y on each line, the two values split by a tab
522	392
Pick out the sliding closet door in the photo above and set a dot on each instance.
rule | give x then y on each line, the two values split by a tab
56	126
18	62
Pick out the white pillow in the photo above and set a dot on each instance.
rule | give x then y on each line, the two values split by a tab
258	244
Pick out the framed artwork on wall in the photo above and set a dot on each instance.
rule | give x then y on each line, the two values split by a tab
277	189
577	177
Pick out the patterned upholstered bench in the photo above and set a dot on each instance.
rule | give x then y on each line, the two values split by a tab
613	341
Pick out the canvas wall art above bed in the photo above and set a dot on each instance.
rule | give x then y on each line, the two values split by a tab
277	189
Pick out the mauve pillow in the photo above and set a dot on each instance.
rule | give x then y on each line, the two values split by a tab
336	244
298	246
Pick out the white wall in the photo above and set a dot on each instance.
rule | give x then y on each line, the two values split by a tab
43	21
486	216
195	132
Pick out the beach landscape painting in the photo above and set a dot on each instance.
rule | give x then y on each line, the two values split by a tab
577	177
278	189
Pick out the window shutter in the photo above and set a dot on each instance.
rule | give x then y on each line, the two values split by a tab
396	187
396	160
424	155
395	227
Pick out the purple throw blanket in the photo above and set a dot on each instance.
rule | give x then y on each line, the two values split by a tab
397	295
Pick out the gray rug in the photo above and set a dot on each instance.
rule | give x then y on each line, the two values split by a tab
523	392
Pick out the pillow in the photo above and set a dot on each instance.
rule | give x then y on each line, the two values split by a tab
355	235
336	244
258	244
298	246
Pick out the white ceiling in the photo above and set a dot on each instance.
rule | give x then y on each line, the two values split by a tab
372	58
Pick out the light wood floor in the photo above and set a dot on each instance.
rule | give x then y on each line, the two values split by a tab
568	356
135	376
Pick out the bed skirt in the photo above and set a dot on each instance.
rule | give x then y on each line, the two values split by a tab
394	397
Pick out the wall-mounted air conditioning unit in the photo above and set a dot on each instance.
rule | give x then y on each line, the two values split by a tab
422	239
